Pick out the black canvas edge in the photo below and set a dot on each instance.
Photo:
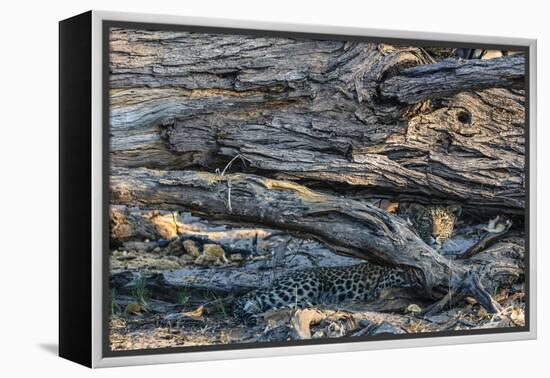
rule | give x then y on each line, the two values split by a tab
106	24
75	189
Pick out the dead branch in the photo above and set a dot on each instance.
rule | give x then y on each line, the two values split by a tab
348	227
451	76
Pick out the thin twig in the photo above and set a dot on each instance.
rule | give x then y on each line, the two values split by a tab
243	159
229	196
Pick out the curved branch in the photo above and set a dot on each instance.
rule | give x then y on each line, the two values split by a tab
293	207
452	76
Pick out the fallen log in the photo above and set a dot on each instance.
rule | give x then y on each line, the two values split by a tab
321	111
487	241
499	267
498	258
452	76
133	224
342	322
346	226
471	151
501	264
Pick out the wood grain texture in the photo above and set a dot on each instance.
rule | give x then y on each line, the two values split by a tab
452	76
326	111
316	123
346	226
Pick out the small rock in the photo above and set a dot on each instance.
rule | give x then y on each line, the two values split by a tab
212	254
470	300
126	257
413	308
236	257
191	248
138	246
386	328
517	315
164	264
482	313
175	248
133	308
214	250
319	334
187	259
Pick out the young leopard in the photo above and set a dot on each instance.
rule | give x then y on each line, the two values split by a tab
361	282
434	224
329	285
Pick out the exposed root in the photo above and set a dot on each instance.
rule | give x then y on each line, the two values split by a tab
469	286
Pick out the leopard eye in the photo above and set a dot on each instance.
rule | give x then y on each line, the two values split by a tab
427	219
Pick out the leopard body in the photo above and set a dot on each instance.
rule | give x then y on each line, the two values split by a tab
360	282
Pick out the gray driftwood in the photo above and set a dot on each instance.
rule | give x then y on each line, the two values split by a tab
321	111
452	76
347	226
499	261
355	116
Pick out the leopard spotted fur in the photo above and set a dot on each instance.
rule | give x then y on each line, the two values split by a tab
361	282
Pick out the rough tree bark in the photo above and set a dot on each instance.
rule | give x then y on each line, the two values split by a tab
497	258
355	115
348	227
449	77
324	111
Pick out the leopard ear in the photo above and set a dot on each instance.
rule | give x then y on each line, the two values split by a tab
415	208
455	209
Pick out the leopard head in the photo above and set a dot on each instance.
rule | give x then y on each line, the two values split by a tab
433	223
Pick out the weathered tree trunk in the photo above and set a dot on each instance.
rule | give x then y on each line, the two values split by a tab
452	76
498	259
321	111
362	118
130	224
348	227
